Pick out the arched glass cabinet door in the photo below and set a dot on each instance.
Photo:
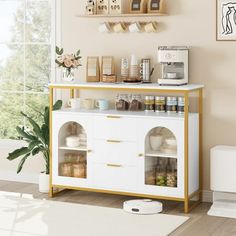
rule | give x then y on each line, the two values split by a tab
160	158
72	151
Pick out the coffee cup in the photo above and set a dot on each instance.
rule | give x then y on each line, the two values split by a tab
102	104
88	104
135	27
150	27
104	28
119	27
74	103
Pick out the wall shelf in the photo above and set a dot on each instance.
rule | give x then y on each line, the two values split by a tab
122	15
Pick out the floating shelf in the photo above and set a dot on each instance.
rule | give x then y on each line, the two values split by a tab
84	149
160	154
123	15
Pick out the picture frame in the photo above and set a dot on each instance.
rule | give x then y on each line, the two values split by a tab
225	20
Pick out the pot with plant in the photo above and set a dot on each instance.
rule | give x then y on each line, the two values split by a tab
37	142
69	62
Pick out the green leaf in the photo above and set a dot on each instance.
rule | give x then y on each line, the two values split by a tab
17	153
57	105
46	115
45	133
36	151
78	53
36	128
33	144
24	134
22	162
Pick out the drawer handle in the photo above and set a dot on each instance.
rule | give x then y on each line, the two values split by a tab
89	151
113	117
113	165
113	141
141	155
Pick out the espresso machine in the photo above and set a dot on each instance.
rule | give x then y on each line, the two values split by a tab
174	62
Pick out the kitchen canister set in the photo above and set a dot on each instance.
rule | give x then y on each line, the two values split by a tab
163	104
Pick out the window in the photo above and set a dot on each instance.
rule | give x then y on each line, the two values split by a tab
25	61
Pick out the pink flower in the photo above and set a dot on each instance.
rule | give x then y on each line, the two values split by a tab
68	63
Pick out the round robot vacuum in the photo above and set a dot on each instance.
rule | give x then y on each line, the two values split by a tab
143	207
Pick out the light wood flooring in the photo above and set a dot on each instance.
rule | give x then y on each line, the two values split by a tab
200	224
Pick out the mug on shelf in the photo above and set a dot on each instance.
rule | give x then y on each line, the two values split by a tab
88	104
135	27
104	27
119	27
75	103
150	27
102	104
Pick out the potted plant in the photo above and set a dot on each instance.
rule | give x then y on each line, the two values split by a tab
38	141
69	62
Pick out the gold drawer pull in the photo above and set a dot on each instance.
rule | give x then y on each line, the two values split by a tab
113	141
89	151
140	154
113	117
113	165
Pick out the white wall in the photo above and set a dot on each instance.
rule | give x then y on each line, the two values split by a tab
189	22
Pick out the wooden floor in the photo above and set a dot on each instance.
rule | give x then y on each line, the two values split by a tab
200	224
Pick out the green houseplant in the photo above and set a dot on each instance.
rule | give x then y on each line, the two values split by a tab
36	138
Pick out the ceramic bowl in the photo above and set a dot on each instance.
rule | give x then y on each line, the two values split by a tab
171	142
72	141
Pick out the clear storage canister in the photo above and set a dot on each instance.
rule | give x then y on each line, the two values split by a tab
181	104
160	104
149	103
171	104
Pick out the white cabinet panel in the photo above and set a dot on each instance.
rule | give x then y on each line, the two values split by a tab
123	153
115	128
113	177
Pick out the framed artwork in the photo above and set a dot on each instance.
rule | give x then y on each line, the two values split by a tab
226	20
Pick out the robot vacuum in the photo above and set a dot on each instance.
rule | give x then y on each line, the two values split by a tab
143	207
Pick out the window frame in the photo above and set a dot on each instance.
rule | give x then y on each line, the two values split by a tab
55	36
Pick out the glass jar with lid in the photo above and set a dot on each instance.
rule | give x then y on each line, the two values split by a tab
149	103
171	174
160	173
135	102
122	102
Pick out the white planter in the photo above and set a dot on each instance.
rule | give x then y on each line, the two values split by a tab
43	183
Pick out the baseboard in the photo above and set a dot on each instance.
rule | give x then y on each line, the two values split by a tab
22	177
207	196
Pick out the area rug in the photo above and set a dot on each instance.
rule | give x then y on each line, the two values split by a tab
21	215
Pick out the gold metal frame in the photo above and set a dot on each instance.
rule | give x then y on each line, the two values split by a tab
186	200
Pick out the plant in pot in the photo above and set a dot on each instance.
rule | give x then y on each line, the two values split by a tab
37	141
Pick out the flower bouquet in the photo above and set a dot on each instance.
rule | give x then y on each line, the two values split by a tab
69	62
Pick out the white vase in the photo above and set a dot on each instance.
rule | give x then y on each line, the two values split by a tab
44	183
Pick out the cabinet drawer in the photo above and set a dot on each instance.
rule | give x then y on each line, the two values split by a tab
108	151
114	177
115	128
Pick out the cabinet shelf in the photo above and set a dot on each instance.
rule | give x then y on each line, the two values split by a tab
160	154
82	149
122	15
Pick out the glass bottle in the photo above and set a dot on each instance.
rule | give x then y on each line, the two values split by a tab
160	174
171	175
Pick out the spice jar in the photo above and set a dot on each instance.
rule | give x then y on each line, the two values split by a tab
171	104
135	103
181	104
160	104
160	174
122	102
171	175
149	103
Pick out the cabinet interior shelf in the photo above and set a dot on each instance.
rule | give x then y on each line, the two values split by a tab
122	15
160	154
84	149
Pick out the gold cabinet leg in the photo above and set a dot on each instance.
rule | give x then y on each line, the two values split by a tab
51	192
186	206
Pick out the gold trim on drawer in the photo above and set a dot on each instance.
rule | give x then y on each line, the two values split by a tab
113	165
113	141
141	155
114	117
89	151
